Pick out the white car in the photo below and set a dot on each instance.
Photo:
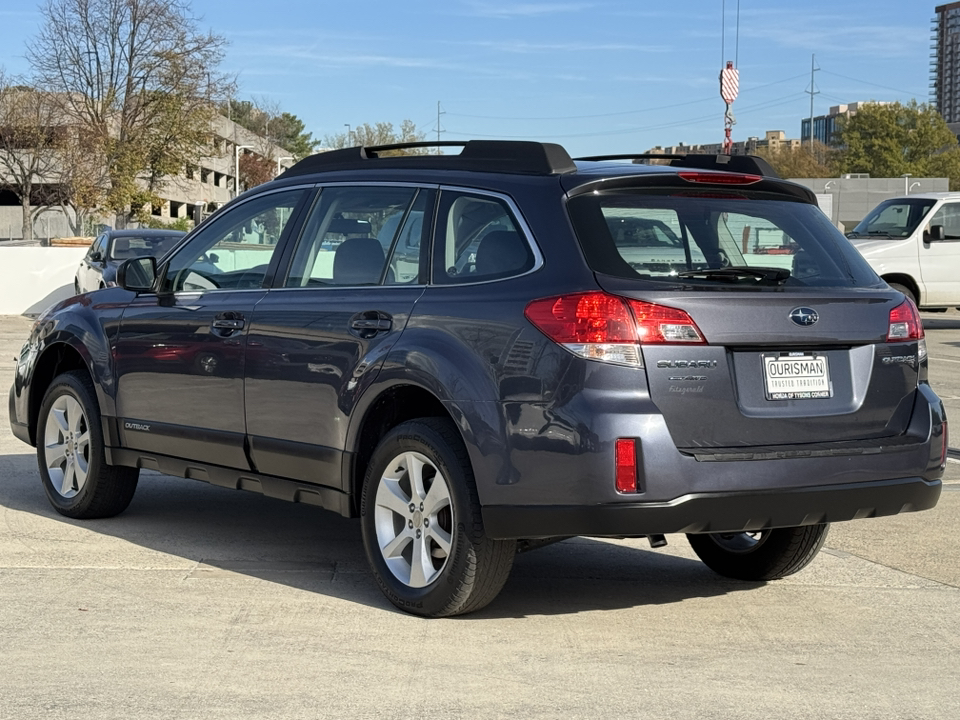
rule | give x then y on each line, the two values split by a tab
913	243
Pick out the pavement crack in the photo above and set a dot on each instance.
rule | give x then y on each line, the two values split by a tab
843	554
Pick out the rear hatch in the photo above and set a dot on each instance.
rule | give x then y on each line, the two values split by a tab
793	339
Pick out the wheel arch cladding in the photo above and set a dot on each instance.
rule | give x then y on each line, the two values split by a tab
56	359
391	407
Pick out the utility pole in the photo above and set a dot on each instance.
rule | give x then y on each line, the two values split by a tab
439	130
812	91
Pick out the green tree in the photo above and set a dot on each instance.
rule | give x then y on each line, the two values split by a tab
382	133
894	139
802	162
281	128
139	81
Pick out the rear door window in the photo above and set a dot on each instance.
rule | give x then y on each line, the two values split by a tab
350	234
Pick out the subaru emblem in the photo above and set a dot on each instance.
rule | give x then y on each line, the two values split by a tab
804	316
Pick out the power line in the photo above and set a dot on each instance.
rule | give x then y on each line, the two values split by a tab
865	82
662	126
622	112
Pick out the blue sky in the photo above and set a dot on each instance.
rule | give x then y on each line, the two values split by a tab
599	77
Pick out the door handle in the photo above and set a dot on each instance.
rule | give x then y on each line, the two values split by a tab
227	324
377	324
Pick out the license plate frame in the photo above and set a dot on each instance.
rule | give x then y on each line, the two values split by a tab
796	376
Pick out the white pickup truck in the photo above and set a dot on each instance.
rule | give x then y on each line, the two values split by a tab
913	243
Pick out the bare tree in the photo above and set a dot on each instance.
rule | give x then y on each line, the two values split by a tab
82	180
140	80
30	140
382	133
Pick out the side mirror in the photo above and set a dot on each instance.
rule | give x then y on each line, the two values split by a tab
137	274
935	234
96	257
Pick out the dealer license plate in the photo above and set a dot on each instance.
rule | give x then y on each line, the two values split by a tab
796	376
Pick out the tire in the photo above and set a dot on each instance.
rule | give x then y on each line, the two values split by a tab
764	555
433	560
906	291
76	287
73	468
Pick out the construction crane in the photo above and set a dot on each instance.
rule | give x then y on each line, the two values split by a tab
729	80
729	88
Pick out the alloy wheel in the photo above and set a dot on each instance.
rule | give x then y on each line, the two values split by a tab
742	542
413	516
66	445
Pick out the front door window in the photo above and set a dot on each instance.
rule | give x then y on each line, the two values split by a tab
234	252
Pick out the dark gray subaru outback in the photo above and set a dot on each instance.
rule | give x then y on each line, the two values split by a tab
481	352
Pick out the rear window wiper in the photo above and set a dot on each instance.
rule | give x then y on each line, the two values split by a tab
767	274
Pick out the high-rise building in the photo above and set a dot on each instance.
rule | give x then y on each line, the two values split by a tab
945	61
824	126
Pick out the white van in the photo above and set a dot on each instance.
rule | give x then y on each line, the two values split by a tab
913	243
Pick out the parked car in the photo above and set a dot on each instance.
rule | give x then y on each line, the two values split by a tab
98	268
475	354
913	243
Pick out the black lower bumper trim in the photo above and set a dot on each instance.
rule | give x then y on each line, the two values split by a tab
716	512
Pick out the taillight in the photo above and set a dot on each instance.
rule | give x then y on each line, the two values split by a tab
720	178
610	328
626	471
664	325
905	323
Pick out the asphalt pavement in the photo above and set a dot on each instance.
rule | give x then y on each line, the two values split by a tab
200	602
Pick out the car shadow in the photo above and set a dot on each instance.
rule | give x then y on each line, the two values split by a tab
61	293
222	532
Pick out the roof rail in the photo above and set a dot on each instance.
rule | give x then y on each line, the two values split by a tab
529	158
752	164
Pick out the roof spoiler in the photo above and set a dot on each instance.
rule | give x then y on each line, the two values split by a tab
747	164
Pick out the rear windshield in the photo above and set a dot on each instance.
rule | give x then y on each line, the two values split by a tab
129	246
717	239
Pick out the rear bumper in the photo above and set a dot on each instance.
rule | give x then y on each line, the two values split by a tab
716	512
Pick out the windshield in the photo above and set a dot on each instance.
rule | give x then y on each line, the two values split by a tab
894	218
696	240
130	246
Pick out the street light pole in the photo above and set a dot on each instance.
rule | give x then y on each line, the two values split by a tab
285	157
236	167
349	138
906	179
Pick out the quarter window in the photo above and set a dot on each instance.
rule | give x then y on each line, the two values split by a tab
479	239
235	250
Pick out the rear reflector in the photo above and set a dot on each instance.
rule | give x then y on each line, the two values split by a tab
945	447
626	465
720	178
905	323
610	328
